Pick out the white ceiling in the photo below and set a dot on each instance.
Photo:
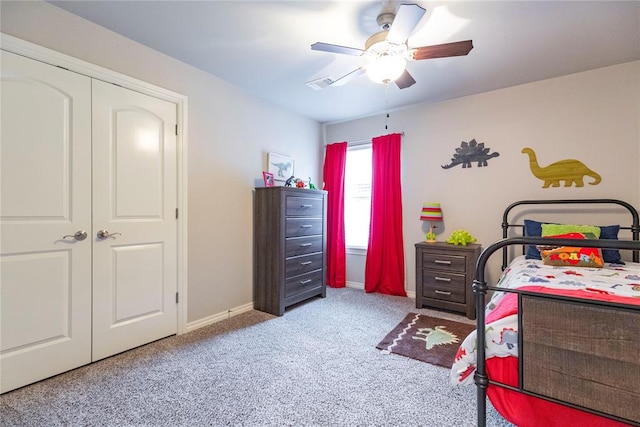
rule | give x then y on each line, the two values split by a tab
264	46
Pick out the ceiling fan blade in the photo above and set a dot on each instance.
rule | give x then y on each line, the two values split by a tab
334	48
405	21
348	77
405	80
443	50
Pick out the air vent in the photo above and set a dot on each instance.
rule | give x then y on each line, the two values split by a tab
320	83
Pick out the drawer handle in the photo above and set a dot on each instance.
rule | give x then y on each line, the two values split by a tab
437	261
306	206
304	282
442	279
305	263
442	292
304	245
306	226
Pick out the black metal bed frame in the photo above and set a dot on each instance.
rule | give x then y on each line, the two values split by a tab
480	289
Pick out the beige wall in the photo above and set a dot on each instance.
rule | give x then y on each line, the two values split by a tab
229	134
590	116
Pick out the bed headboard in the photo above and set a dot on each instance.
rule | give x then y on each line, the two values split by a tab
635	221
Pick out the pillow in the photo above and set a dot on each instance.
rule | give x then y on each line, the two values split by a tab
534	229
558	229
569	256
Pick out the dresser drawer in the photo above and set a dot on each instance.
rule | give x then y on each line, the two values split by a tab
302	283
302	264
304	206
295	227
295	246
444	262
444	286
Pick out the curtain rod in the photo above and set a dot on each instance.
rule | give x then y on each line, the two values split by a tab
361	141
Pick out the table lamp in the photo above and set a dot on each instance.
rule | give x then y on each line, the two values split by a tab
431	212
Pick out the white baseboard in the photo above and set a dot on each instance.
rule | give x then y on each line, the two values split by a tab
356	285
209	320
214	318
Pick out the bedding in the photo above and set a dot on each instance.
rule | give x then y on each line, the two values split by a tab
614	282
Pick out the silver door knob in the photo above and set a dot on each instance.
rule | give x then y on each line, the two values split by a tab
104	234
80	235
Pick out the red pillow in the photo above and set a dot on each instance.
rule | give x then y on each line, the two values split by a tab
570	256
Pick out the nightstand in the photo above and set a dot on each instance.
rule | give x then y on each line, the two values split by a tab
444	276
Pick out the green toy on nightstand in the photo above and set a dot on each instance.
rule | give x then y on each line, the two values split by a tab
461	237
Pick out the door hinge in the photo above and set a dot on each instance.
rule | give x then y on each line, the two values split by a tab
176	297
176	213
176	129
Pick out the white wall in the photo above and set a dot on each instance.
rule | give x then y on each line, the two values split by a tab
229	134
590	116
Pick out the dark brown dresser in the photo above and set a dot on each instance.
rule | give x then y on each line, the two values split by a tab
290	240
444	276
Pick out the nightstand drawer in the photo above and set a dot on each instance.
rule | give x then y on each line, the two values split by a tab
444	286
444	262
304	206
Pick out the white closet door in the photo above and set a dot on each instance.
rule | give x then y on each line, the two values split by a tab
134	204
45	199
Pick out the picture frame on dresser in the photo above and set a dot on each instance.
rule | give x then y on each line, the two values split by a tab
282	167
268	179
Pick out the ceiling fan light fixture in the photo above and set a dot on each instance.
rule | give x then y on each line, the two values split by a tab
386	68
387	51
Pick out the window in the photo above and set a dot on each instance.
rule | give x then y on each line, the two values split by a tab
357	196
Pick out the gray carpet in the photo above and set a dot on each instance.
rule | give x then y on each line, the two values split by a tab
316	366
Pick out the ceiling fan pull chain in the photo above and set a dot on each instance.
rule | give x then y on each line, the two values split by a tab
386	105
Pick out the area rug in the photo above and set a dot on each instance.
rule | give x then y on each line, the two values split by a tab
428	339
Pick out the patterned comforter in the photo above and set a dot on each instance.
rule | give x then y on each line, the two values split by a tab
615	282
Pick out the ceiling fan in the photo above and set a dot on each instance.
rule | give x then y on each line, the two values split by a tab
387	50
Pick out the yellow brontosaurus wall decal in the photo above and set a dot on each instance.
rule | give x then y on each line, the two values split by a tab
570	171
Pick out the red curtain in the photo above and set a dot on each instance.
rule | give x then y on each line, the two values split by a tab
384	270
334	165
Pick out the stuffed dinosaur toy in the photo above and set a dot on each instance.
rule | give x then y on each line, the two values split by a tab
461	237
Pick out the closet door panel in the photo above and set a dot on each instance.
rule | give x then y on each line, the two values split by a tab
45	200
138	165
137	284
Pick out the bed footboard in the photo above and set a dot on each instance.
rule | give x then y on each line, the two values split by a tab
562	342
570	366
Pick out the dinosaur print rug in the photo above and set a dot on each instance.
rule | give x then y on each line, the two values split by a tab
428	339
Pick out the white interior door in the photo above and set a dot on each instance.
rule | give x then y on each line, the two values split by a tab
45	199
134	206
